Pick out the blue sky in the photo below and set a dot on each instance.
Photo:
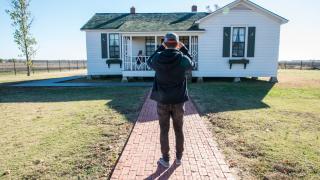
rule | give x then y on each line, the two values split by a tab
57	24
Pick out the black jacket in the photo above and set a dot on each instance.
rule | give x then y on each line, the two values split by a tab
170	84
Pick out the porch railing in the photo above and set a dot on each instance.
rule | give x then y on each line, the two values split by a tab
136	63
139	63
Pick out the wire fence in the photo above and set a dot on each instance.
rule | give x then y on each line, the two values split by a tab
299	64
18	66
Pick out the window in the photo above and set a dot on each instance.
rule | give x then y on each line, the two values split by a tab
114	45
104	45
184	40
160	41
238	41
150	43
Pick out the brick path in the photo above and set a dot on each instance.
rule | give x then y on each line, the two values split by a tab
202	159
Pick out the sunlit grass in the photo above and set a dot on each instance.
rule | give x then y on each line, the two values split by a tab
267	130
64	133
38	75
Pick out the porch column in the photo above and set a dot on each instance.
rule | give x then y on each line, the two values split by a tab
108	41
122	52
131	51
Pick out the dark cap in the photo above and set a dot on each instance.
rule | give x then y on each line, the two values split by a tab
171	37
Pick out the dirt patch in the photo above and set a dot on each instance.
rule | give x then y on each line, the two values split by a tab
298	78
276	176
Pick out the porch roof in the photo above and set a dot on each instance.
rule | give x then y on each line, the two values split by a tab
146	22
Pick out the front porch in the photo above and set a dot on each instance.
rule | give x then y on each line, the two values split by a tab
136	50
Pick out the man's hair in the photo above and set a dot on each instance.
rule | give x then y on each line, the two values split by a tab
171	44
171	40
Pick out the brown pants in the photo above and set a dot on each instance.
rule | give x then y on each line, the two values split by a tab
175	111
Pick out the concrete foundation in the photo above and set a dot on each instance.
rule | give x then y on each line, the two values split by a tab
89	77
273	79
124	79
200	80
237	79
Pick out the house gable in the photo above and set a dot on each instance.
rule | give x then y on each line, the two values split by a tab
241	7
246	5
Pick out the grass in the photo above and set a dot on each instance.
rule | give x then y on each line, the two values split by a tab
266	130
64	133
11	78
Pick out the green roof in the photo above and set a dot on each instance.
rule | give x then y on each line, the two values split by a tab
145	22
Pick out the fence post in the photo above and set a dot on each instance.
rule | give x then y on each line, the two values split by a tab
285	64
77	64
14	67
59	66
48	65
69	65
312	64
301	65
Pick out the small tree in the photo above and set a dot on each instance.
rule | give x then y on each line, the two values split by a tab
22	21
216	7
208	8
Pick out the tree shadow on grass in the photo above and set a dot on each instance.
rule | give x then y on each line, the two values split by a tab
125	100
221	96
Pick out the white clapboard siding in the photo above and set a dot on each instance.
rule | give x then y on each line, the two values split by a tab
211	62
97	65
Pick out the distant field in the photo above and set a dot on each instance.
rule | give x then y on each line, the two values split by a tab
10	77
64	133
266	130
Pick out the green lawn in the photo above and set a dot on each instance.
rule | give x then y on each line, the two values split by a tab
38	75
64	133
266	130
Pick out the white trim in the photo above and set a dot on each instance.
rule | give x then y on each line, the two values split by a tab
108	43
155	43
249	4
245	40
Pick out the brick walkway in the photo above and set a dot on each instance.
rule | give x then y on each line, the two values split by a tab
201	160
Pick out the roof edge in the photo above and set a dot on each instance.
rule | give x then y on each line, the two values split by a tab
198	15
248	2
141	32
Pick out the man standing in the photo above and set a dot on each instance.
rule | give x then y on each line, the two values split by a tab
171	61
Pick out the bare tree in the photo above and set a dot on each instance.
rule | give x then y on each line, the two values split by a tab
22	21
208	8
216	6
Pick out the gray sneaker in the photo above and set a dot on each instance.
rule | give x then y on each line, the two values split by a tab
164	163
178	162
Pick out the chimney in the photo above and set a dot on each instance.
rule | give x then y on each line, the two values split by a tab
132	10
194	9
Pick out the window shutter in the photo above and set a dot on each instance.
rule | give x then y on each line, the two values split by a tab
251	41
104	45
226	41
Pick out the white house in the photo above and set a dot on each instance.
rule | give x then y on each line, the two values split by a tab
240	39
